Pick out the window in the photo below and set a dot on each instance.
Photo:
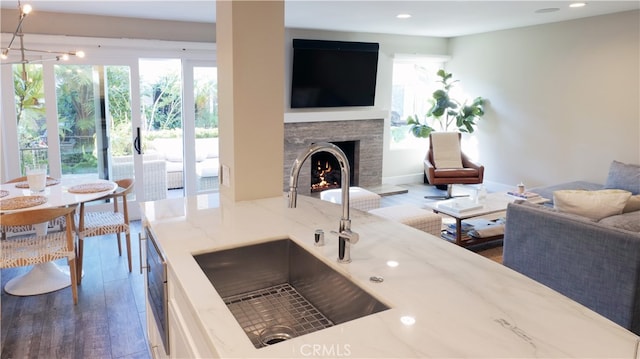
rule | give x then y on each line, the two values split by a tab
30	114
94	118
414	80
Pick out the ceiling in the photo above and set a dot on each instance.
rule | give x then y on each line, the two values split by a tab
428	18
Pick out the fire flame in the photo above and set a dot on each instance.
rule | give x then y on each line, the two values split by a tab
322	174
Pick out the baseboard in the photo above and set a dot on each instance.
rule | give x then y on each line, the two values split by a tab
405	179
498	187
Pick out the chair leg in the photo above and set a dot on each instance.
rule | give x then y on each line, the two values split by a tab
128	237
79	260
449	194
74	280
119	245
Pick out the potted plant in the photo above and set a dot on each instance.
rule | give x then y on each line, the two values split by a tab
447	113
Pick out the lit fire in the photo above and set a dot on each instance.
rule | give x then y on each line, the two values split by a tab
322	172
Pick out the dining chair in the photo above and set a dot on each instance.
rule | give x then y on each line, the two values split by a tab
57	222
26	250
91	224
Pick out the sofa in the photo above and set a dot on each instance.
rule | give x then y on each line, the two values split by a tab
207	160
155	179
594	261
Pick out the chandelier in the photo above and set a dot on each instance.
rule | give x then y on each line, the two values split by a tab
53	55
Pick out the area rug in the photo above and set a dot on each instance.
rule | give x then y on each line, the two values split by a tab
495	254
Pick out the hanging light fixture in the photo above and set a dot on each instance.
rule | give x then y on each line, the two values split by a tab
55	55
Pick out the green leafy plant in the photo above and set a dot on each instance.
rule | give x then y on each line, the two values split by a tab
446	112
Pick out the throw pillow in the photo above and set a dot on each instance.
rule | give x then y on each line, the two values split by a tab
591	204
624	176
633	204
446	149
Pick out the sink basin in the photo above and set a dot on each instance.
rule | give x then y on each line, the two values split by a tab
277	290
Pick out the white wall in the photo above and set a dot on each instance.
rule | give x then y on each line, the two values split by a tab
564	98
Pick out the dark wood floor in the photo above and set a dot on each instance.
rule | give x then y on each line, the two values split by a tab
108	321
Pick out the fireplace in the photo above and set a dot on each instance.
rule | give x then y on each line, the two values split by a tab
325	169
366	135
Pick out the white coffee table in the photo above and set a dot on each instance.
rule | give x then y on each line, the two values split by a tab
493	203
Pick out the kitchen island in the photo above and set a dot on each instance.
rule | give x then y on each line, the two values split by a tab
445	301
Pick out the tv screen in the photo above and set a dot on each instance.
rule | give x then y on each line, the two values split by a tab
333	73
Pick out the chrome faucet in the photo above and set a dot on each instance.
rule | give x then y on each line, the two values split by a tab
345	236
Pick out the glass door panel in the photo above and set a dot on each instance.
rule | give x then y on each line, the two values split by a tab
205	87
162	135
94	120
79	120
30	114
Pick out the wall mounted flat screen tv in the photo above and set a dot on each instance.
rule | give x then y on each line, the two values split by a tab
333	73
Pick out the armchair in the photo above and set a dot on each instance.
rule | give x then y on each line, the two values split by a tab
446	164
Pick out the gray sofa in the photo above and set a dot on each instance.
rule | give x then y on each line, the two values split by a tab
596	263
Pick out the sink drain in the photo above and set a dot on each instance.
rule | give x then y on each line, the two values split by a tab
276	334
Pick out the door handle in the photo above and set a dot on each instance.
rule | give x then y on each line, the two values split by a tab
136	141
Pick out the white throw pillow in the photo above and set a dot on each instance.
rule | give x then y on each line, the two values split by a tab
446	150
591	204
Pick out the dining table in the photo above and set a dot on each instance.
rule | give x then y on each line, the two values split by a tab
67	191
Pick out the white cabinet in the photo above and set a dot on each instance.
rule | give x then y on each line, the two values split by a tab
186	337
153	336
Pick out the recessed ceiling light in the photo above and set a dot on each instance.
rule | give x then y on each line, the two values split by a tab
403	16
578	4
408	320
546	10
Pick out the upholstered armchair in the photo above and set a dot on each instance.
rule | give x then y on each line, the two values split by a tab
446	164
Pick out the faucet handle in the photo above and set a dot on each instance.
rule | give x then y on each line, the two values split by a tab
349	235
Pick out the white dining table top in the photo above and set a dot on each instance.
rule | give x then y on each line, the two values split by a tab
57	195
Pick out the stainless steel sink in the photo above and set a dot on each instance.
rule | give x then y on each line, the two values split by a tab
277	290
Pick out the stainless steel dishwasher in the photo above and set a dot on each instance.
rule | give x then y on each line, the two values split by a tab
157	290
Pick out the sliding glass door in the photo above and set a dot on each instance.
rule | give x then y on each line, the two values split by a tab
202	108
94	119
154	119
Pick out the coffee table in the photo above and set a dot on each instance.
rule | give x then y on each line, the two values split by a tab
493	203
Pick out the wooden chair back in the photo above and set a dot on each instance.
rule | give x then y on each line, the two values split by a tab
35	216
24	252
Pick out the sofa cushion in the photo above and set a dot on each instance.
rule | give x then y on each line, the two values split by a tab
633	204
624	176
591	204
208	168
171	148
174	166
627	221
207	148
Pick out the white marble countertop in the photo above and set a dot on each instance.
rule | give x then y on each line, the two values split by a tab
463	304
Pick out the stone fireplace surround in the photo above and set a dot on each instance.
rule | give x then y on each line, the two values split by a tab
299	135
